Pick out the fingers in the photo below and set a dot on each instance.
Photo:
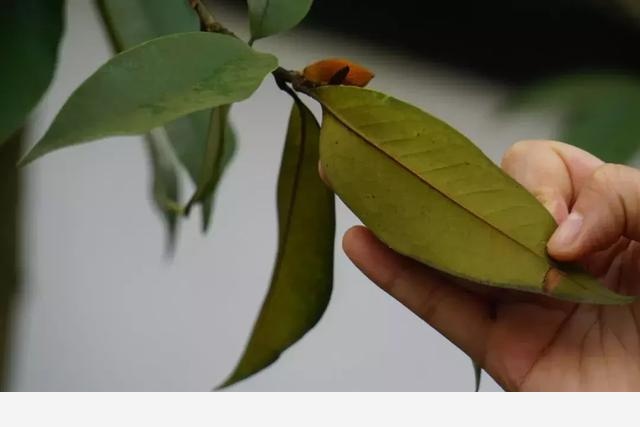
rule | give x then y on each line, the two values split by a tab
551	171
606	208
459	315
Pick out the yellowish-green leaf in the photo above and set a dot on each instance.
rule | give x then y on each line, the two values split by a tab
154	83
269	17
429	193
303	274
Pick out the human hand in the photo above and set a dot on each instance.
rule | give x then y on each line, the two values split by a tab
534	343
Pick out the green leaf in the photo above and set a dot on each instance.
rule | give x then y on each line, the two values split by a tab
207	156
600	112
166	187
154	83
572	90
212	161
608	128
269	17
303	274
430	194
30	32
132	22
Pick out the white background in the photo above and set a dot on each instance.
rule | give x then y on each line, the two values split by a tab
102	308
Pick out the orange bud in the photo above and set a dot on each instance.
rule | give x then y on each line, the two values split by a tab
335	71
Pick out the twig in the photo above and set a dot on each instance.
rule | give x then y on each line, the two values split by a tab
283	77
294	78
208	21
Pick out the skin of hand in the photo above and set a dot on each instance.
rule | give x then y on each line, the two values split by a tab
535	343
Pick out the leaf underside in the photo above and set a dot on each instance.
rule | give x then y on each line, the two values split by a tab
429	193
303	273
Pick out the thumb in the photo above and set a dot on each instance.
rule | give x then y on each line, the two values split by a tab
606	208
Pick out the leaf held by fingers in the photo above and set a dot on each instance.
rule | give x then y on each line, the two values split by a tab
426	191
303	274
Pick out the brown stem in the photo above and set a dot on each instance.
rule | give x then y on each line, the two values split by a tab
208	21
283	77
295	79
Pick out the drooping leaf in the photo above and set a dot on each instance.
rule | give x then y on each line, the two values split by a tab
429	193
154	83
600	112
211	167
207	157
165	187
131	22
9	247
302	278
30	32
269	17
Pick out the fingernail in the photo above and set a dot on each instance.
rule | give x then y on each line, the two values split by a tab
568	231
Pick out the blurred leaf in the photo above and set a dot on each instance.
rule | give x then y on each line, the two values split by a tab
132	22
303	274
212	162
427	192
9	203
30	32
609	128
154	83
166	187
572	90
201	156
600	112
269	17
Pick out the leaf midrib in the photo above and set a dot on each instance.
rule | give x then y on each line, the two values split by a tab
441	192
395	160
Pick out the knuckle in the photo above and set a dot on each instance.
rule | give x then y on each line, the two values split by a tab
604	178
516	152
